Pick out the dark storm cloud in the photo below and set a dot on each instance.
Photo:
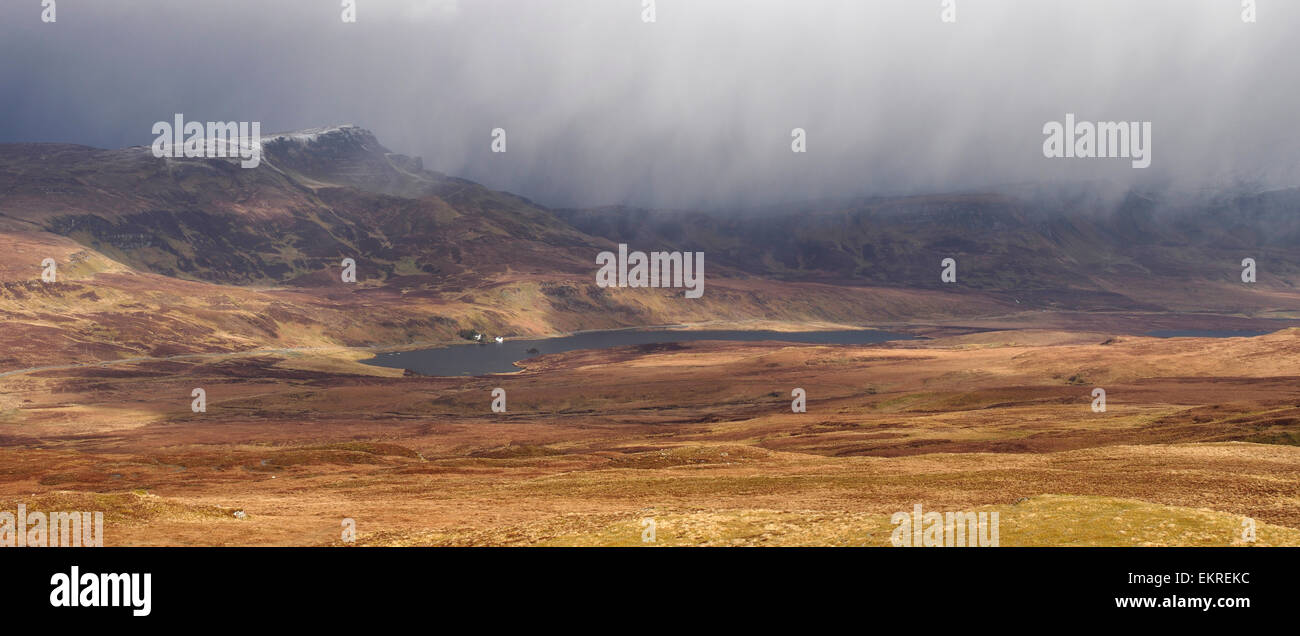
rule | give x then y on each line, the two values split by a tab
693	110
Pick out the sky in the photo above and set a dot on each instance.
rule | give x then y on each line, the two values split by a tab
694	110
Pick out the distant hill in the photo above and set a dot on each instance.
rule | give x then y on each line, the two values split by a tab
1141	252
160	256
318	196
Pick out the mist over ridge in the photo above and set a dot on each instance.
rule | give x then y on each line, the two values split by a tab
695	110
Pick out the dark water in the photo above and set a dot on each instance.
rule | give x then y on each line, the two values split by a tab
480	359
1206	333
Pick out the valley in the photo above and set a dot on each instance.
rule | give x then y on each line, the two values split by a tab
177	274
697	435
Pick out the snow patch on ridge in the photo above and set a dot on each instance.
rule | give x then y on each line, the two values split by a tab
312	134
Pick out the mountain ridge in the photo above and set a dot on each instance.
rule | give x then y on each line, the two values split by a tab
198	255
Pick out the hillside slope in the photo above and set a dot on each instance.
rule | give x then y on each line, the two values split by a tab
160	256
1138	253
